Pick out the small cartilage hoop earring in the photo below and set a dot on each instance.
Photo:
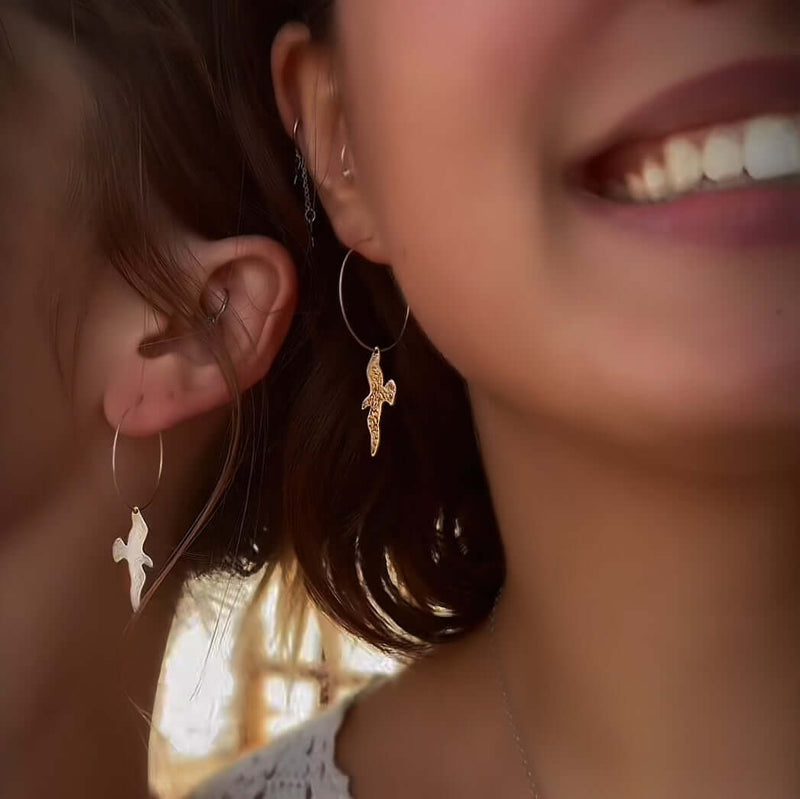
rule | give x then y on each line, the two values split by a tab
301	177
379	393
133	550
347	173
226	299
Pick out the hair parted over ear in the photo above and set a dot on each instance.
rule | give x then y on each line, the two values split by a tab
157	155
186	122
170	378
373	541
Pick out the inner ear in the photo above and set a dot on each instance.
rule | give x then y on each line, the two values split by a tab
225	333
193	337
176	334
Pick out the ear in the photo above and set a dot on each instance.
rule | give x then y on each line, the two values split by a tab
175	375
306	90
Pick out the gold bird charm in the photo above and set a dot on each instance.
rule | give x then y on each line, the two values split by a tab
134	553
378	395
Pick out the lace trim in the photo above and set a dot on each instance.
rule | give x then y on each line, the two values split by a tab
299	766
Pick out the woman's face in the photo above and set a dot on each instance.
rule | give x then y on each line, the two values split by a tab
667	326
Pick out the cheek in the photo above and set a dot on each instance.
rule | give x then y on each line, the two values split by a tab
417	74
457	112
458	166
426	84
35	423
44	276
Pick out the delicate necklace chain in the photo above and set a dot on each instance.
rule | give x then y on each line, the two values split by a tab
512	721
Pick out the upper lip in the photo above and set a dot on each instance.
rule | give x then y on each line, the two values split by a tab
730	94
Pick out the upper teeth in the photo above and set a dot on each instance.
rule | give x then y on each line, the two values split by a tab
764	148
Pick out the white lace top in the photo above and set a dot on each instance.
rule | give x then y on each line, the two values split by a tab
299	765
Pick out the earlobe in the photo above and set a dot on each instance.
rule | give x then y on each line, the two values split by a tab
189	371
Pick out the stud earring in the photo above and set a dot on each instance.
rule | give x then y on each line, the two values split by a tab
301	177
133	550
379	393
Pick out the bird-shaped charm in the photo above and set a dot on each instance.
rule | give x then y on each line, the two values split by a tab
134	553
378	395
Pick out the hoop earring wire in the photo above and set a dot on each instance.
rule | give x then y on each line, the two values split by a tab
149	502
347	320
380	394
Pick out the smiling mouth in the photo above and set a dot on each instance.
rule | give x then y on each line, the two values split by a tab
760	150
735	128
714	161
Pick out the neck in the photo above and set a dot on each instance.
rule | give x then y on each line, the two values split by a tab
79	679
650	626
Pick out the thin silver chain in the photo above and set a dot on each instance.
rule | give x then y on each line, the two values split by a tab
512	721
309	197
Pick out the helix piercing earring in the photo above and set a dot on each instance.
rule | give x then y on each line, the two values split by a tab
215	317
301	177
347	173
379	393
133	550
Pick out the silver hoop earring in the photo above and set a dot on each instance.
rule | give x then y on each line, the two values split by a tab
347	173
301	177
133	550
379	393
216	316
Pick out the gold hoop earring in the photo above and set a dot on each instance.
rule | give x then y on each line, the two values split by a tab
133	551
379	393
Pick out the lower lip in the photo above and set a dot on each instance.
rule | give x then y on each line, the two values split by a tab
753	216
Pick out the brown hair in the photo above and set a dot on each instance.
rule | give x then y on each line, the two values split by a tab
157	137
402	550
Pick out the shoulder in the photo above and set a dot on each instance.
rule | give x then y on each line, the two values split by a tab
300	765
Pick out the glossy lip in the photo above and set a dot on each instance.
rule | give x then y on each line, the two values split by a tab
759	215
730	94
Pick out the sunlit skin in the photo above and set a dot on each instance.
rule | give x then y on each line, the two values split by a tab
77	679
635	395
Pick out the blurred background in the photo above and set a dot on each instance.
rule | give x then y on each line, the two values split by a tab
228	685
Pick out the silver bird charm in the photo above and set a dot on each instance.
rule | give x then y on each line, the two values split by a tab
379	395
134	553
